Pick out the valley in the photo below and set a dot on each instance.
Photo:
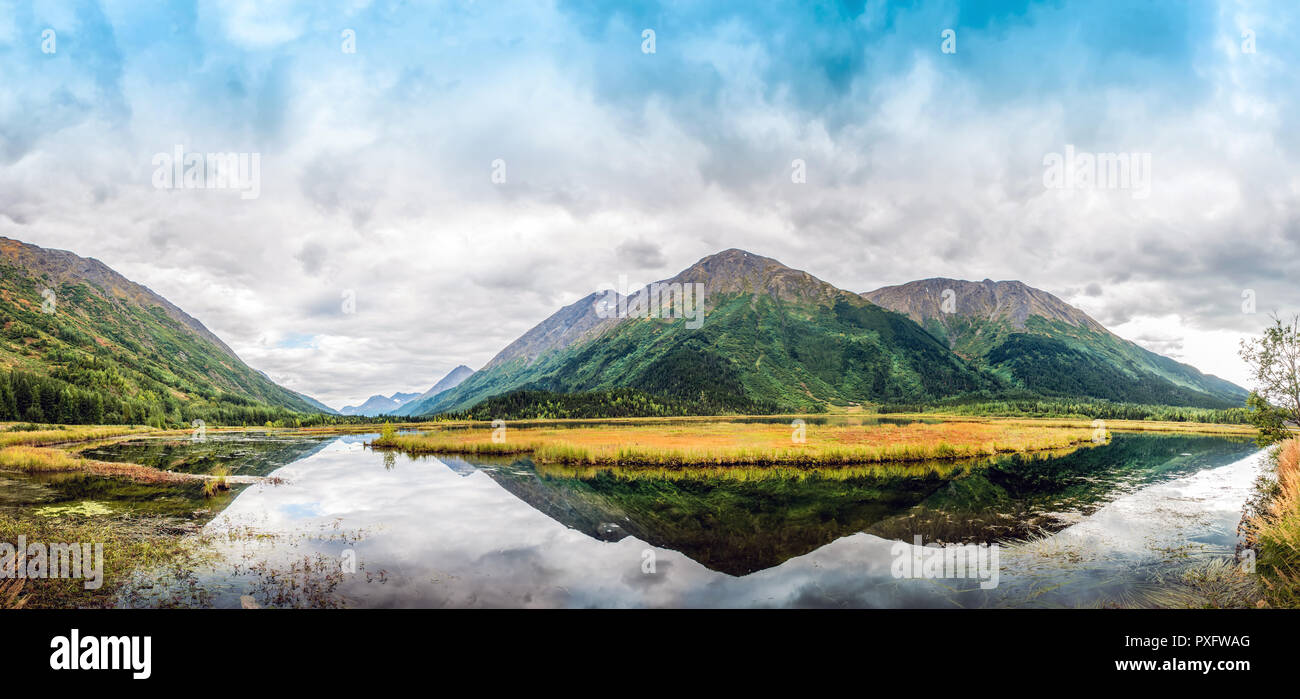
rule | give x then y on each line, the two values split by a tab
747	522
783	418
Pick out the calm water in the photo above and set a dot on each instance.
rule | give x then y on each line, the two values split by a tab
1121	524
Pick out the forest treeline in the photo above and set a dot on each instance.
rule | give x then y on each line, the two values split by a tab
33	398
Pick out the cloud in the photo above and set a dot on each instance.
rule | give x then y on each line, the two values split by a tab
639	254
377	166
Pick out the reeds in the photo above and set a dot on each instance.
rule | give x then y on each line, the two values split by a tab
130	543
736	444
1114	425
1273	528
36	460
45	460
11	590
72	433
950	468
217	483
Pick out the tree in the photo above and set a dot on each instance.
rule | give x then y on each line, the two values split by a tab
1274	361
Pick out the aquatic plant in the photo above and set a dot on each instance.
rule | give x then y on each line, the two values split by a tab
731	443
35	460
11	590
1272	526
216	483
59	435
45	460
129	543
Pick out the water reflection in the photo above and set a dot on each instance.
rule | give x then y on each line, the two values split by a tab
236	454
434	532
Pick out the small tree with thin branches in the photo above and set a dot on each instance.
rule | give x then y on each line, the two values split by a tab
1274	360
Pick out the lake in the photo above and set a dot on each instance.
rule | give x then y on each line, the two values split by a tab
1142	521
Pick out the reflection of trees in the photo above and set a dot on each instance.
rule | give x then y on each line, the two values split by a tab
239	455
1022	496
737	521
390	461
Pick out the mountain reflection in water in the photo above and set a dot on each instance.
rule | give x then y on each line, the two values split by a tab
449	531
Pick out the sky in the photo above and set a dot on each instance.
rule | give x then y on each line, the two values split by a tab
436	178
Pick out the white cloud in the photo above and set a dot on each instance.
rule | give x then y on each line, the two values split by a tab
376	179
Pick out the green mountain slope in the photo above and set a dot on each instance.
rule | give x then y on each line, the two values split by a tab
773	338
97	347
1037	342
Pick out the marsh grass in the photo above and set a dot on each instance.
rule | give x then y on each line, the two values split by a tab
44	460
1112	425
1272	527
129	542
748	472
217	484
737	444
11	591
1055	563
36	460
755	473
69	433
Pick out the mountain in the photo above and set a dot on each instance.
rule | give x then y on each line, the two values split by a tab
88	345
771	338
453	379
379	405
1036	341
316	405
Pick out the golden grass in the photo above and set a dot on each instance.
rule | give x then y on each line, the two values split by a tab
1112	425
217	484
36	460
1273	528
756	472
725	444
72	433
39	460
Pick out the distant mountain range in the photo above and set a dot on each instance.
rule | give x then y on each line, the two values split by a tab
102	348
406	403
779	338
418	404
378	405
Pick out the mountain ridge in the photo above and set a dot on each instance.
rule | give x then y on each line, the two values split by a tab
378	404
1028	336
1028	331
449	381
774	337
129	353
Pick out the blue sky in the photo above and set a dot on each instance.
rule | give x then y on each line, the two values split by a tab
376	165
